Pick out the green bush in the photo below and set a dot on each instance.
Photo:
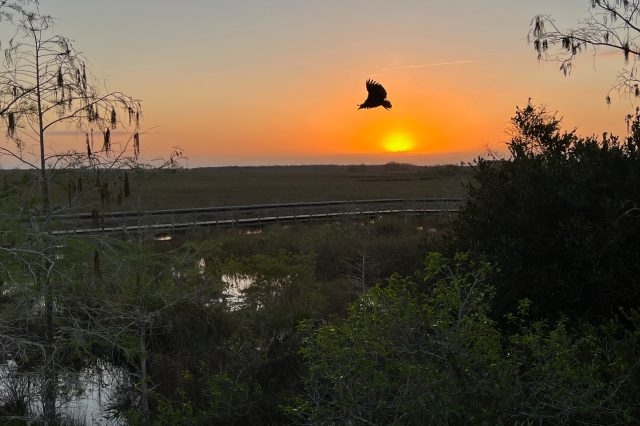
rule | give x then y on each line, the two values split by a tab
428	353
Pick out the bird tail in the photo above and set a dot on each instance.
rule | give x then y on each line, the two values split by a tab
386	105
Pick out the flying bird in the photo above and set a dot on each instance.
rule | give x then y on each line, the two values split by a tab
377	96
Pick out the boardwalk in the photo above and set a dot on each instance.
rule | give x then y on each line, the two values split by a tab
247	215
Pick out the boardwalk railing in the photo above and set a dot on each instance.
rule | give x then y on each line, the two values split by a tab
247	215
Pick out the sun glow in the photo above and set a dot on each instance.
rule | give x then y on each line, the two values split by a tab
398	142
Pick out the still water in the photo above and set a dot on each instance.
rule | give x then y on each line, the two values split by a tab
83	397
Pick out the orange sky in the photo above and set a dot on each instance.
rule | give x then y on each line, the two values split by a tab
279	81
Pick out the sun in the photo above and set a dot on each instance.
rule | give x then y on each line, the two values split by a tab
398	142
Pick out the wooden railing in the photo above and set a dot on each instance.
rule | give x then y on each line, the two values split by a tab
247	215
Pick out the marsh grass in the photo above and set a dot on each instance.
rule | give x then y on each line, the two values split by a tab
218	186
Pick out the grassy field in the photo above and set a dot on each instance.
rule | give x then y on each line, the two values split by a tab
244	185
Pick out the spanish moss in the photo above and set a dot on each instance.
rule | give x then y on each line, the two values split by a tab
136	144
88	145
106	147
11	127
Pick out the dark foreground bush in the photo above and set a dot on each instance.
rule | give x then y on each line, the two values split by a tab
559	219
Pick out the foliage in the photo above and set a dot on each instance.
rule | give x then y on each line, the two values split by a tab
242	362
429	354
406	354
220	399
609	24
558	219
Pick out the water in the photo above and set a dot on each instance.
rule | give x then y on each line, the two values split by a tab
235	285
162	236
96	391
85	396
82	397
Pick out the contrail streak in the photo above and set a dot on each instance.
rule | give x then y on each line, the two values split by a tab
437	64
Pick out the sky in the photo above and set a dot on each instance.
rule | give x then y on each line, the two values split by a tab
258	82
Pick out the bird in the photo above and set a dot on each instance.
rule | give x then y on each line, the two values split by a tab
377	96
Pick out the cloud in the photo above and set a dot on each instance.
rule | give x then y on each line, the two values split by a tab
436	64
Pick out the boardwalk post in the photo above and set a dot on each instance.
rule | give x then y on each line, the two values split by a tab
404	207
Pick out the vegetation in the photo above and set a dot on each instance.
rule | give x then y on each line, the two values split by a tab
472	338
45	85
558	218
151	188
429	353
609	25
242	363
529	315
525	309
532	318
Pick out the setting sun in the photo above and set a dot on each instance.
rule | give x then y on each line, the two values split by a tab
398	142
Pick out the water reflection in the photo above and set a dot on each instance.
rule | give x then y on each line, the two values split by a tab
162	236
83	397
235	285
201	267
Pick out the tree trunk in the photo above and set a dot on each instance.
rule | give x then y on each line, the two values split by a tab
50	376
49	394
144	386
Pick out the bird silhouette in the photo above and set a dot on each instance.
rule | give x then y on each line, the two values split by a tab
377	96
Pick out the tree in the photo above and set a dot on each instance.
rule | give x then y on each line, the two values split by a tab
45	85
558	219
609	24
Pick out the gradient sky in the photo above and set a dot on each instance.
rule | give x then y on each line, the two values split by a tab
278	81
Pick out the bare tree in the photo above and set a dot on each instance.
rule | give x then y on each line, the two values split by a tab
46	86
609	24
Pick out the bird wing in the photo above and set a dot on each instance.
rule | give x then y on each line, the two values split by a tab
376	90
